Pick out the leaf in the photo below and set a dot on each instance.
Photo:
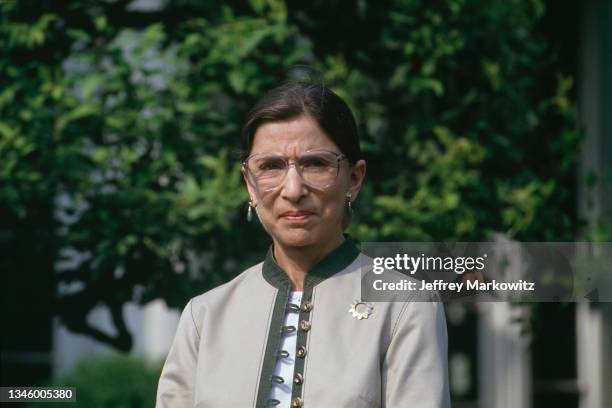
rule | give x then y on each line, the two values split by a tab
79	112
419	85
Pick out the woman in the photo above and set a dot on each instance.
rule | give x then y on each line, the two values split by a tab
291	331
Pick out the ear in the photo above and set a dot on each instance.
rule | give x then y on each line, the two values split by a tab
252	192
356	175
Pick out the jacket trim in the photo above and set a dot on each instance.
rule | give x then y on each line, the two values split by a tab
272	345
301	341
336	261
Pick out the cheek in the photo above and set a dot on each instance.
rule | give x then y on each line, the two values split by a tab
265	209
333	205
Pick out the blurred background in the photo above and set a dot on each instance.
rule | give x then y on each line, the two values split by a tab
121	195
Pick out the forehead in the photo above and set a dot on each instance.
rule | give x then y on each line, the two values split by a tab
291	137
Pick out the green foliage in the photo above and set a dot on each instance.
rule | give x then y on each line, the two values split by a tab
468	128
110	382
125	126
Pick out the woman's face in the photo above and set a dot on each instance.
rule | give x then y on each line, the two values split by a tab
295	213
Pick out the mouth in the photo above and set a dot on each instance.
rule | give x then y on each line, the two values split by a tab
297	215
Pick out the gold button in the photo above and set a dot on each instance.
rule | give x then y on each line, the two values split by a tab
296	402
301	352
305	325
307	307
298	379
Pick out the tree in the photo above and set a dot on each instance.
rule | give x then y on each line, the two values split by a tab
119	131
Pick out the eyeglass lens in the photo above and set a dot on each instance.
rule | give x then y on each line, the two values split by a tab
318	169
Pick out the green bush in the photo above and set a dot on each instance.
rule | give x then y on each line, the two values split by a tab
110	382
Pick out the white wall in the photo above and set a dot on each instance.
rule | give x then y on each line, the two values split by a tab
152	327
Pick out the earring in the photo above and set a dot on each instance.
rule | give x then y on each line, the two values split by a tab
349	208
250	211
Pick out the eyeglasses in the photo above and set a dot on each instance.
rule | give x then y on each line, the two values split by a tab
318	168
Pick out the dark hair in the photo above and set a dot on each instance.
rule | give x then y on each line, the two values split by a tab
294	99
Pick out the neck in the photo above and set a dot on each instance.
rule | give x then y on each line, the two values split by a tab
297	261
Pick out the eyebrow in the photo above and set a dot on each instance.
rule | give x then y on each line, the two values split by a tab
307	150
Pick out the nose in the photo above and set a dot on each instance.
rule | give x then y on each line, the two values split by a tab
293	187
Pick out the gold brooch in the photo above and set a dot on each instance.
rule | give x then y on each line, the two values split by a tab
360	310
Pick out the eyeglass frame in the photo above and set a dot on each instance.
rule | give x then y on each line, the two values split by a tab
339	158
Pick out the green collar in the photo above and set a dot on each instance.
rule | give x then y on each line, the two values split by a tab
334	262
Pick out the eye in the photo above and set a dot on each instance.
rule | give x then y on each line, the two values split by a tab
315	162
272	164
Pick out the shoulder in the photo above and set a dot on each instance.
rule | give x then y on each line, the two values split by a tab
221	292
400	294
361	273
389	285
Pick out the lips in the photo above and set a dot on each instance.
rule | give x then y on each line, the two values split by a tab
296	215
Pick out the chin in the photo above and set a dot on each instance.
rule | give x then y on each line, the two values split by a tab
297	237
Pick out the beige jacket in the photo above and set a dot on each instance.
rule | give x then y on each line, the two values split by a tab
227	344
